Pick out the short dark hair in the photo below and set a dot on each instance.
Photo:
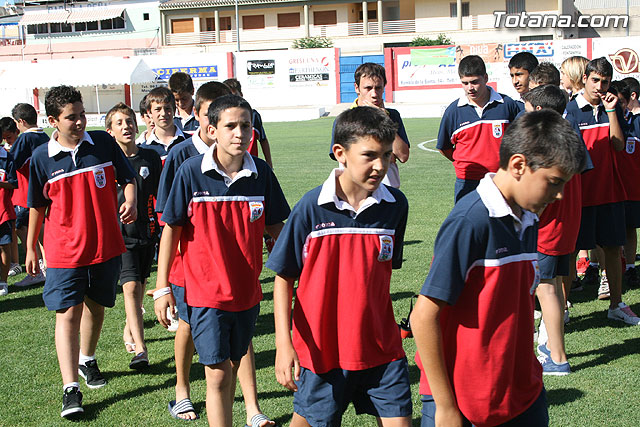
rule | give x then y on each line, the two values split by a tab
371	70
209	92
471	65
547	96
59	96
161	95
546	140
526	60
362	122
633	85
599	66
144	105
225	102
26	112
620	89
181	83
234	85
545	74
7	124
120	107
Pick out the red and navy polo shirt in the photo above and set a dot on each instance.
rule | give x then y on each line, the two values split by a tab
7	174
603	183
475	133
223	221
79	189
343	258
485	268
629	160
160	147
21	151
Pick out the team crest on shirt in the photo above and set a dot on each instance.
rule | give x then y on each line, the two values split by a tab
3	174
497	130
144	172
536	276
386	248
257	208
631	145
100	178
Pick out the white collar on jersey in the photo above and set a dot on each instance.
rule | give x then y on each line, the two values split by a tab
328	195
200	145
153	138
34	130
493	97
497	206
248	166
54	146
582	101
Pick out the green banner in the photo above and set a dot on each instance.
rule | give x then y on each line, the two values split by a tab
435	56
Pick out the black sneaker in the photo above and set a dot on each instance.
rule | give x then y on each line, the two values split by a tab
90	372
591	276
631	278
71	403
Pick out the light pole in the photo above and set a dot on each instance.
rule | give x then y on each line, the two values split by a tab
237	28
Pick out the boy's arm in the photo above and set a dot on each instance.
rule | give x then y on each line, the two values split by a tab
286	356
400	149
274	230
166	254
128	210
36	216
266	150
425	325
616	133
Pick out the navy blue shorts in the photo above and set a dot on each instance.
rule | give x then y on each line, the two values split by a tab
382	391
67	287
22	217
632	213
6	231
537	415
462	187
136	264
178	295
220	335
602	225
552	266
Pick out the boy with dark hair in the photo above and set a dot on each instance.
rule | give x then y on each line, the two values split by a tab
140	237
601	121
31	137
370	80
520	67
259	134
219	205
146	118
72	178
9	131
544	74
484	255
471	128
166	134
181	86
341	242
8	182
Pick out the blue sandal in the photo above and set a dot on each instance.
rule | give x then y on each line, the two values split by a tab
182	407
257	419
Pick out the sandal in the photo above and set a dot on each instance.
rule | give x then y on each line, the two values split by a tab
258	420
182	407
130	347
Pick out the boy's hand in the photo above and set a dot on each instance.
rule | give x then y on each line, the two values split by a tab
31	263
128	212
287	358
609	101
160	307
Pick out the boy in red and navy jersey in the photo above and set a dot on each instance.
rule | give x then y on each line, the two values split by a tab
31	137
341	242
165	134
8	182
181	86
601	121
472	126
219	205
473	320
72	187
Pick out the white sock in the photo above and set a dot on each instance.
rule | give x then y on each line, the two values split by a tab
630	266
84	359
594	264
74	384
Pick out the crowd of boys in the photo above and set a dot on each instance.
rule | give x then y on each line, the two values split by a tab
192	191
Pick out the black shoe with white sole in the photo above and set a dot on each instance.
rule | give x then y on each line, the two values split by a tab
92	375
71	403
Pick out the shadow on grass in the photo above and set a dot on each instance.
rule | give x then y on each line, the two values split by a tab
560	396
22	303
274	394
607	354
412	242
265	359
395	296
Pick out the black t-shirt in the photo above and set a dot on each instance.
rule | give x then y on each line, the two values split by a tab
144	230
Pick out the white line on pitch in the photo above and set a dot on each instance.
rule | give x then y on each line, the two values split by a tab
422	146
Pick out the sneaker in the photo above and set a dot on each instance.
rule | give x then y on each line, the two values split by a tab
43	268
30	280
71	402
591	276
581	266
173	326
549	367
139	361
15	269
576	286
542	334
4	289
537	314
566	316
92	375
631	278
603	290
623	313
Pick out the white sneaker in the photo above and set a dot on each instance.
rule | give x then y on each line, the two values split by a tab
43	268
603	290
31	280
15	269
174	320
542	334
4	289
624	314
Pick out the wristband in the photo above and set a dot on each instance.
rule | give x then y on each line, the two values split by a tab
161	292
610	111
